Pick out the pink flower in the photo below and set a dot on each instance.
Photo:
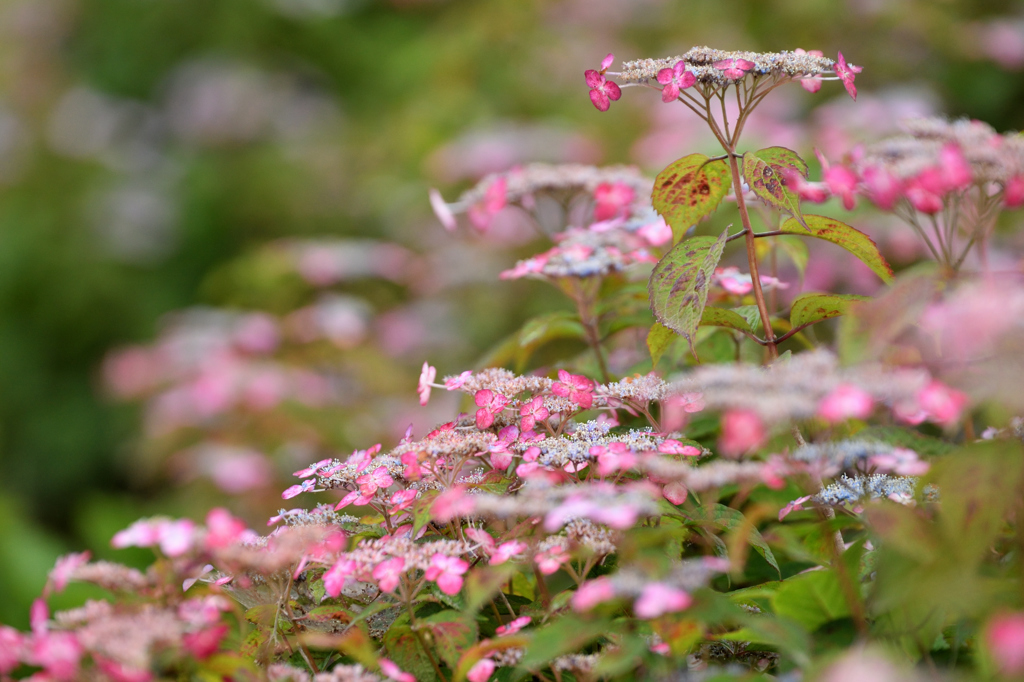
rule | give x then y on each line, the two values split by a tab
1005	639
613	458
58	653
842	182
427	375
442	210
656	233
393	672
900	461
671	446
457	382
816	192
63	570
490	404
222	529
378	479
452	503
514	626
412	470
675	408
578	389
481	670
1013	193
296	490
846	73
812	84
659	598
313	468
592	593
335	577
532	412
174	537
204	643
551	559
941	403
402	499
742	430
845	402
883	188
675	492
601	89
11	644
612	200
387	573
675	79
506	551
447	571
795	505
482	213
734	68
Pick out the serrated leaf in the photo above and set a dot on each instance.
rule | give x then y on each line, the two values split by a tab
678	286
846	236
690	189
811	308
811	599
720	517
722	317
452	634
764	171
659	338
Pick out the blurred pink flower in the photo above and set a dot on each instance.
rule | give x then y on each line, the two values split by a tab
671	446
1005	639
659	598
742	430
427	376
393	672
941	403
514	626
846	73
550	560
442	210
795	505
675	492
592	593
482	213
612	200
62	572
506	551
481	670
222	529
846	401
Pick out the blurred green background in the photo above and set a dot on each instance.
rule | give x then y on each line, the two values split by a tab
148	147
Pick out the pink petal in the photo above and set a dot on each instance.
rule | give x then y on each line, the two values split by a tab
607	61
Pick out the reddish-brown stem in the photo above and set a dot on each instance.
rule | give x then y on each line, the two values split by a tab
755	278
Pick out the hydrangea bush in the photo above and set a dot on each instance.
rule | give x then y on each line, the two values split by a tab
698	487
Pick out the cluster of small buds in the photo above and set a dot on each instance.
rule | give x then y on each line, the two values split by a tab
385	561
619	193
813	384
586	253
653	597
708	69
852	492
829	458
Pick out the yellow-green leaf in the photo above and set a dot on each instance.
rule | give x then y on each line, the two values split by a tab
850	238
679	284
722	317
690	189
811	308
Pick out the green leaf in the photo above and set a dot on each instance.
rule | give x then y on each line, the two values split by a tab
421	510
726	518
452	634
811	599
679	284
404	649
850	238
690	189
540	330
765	170
566	635
658	340
811	308
721	317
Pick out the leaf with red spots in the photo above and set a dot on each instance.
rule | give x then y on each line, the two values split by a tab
765	172
678	287
850	238
811	308
690	189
